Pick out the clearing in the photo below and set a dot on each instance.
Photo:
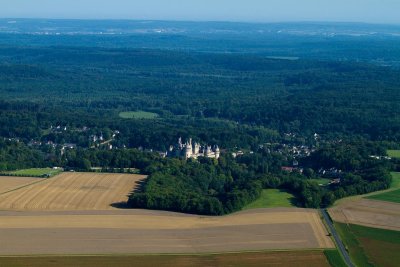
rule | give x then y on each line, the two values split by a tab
251	259
138	115
145	231
272	198
370	246
72	191
394	153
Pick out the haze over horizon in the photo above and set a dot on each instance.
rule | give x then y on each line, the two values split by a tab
366	11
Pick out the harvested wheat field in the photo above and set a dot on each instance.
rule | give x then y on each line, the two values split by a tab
141	231
9	183
251	259
71	191
367	212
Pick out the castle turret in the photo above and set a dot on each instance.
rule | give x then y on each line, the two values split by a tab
217	152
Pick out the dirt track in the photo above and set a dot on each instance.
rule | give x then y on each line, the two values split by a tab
138	231
372	213
72	191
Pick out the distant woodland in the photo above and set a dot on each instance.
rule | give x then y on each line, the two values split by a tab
343	111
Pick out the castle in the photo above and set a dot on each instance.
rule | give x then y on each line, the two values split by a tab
193	150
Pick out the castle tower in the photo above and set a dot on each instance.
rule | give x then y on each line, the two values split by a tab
217	152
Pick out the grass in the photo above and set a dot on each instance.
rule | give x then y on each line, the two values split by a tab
34	172
394	153
395	185
272	198
393	195
334	258
138	115
250	259
370	246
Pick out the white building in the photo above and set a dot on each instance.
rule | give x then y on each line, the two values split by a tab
192	149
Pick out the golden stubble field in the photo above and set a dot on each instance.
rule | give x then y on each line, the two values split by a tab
74	213
8	183
71	191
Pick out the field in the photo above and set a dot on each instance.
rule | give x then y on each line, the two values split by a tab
283	258
392	196
8	183
72	191
77	213
394	153
370	246
272	198
35	172
367	212
144	231
138	115
334	258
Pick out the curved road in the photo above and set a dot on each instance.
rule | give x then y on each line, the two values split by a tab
338	241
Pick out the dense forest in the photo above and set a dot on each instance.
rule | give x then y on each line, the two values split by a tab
55	101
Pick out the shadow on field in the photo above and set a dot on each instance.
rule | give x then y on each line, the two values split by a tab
137	189
120	205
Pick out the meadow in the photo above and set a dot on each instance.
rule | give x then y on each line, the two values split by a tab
272	198
393	195
394	153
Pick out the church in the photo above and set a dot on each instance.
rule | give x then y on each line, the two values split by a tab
193	150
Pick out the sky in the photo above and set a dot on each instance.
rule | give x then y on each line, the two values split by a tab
371	11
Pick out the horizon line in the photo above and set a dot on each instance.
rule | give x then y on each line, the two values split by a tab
207	21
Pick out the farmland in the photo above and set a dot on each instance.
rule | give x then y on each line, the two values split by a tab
371	246
143	231
73	212
138	115
392	196
272	198
72	191
283	258
11	183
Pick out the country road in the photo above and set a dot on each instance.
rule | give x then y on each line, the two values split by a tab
338	241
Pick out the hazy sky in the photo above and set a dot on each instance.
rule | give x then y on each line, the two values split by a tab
377	11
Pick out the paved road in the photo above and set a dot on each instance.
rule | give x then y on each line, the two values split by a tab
338	241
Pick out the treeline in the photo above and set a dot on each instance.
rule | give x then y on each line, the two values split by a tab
219	187
206	186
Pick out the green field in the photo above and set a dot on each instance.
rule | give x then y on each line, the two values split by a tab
250	259
391	196
34	172
370	246
138	115
272	198
334	258
394	153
